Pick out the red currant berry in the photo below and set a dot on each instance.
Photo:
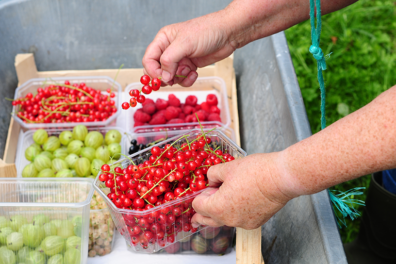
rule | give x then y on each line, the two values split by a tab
145	79
146	89
156	84
134	93
125	106
141	99
105	167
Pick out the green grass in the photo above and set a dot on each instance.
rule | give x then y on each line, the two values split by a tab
362	39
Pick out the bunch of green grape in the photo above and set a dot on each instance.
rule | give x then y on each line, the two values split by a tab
76	153
40	240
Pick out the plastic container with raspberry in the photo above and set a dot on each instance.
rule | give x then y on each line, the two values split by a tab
179	108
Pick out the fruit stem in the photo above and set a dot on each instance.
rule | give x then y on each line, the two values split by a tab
184	191
73	88
127	158
155	185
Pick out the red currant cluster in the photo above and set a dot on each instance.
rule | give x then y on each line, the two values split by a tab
66	103
137	96
169	174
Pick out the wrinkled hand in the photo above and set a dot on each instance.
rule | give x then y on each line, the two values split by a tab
181	48
243	193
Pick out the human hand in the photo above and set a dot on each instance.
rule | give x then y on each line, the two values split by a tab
244	193
181	48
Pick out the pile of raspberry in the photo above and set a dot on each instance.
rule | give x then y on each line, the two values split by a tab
172	111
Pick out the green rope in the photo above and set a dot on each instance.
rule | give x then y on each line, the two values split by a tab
341	199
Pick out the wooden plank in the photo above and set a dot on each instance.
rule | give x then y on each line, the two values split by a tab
25	67
7	170
12	141
248	246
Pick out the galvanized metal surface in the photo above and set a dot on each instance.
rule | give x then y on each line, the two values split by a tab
66	35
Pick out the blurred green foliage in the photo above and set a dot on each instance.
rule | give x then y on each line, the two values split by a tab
362	41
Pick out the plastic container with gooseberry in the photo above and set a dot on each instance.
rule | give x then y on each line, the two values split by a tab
44	221
174	234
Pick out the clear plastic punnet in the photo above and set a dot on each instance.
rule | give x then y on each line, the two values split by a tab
101	83
26	140
201	89
44	221
172	233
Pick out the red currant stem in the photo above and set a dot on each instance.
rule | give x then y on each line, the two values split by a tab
127	158
194	177
180	76
53	97
217	148
30	121
9	99
144	175
155	185
70	103
73	88
220	157
115	78
151	166
196	138
184	191
204	166
142	180
188	209
174	185
206	141
170	147
159	140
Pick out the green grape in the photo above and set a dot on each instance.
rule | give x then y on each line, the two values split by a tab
80	132
40	136
33	235
75	147
61	153
83	167
50	229
4	222
113	136
48	154
66	229
103	154
40	219
73	242
4	232
46	173
94	139
71	160
53	245
42	162
51	144
57	223
31	152
95	166
17	221
7	256
56	259
35	257
72	256
66	137
115	150
88	153
29	171
15	241
22	254
64	174
58	165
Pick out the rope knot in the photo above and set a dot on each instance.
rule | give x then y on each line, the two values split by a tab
318	55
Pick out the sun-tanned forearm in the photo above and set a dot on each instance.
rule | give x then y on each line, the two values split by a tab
360	143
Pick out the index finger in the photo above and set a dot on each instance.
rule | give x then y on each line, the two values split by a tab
153	54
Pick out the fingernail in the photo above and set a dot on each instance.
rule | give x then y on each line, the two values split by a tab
166	76
194	225
185	71
193	76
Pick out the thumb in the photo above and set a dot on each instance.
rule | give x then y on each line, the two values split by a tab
203	206
171	57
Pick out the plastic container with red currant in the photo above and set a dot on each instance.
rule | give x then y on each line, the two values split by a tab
179	108
62	102
150	193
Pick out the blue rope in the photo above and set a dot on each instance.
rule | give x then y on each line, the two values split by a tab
341	200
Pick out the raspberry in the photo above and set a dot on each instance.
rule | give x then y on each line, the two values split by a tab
214	117
158	120
197	107
179	110
176	121
161	112
173	100
161	104
149	108
201	114
188	109
205	106
148	101
137	123
192	100
171	112
214	110
182	116
212	99
190	118
141	116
